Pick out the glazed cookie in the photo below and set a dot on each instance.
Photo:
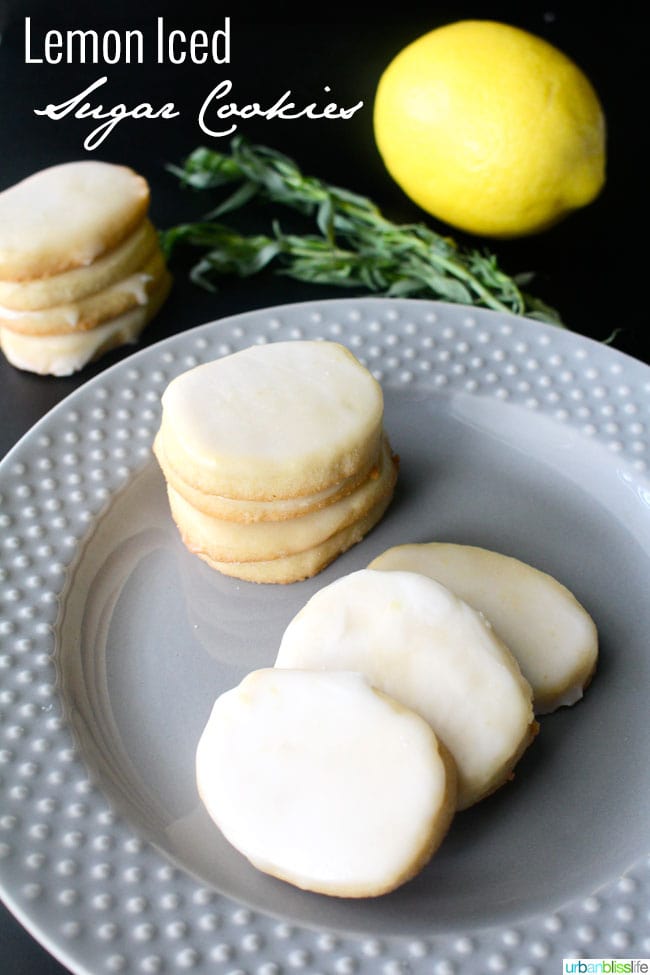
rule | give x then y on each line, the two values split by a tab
94	309
282	420
78	283
422	645
304	565
62	355
228	541
552	636
67	216
360	790
251	512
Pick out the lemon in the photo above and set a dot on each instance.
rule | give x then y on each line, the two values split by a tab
490	128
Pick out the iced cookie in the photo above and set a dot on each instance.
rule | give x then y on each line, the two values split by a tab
279	420
423	646
250	512
62	355
228	541
94	309
80	282
67	216
552	636
324	782
275	458
305	564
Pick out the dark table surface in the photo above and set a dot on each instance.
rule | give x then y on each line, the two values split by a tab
589	267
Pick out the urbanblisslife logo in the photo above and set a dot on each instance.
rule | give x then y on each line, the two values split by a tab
606	966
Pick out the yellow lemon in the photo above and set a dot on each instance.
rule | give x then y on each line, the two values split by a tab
490	128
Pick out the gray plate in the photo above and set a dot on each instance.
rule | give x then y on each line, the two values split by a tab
115	642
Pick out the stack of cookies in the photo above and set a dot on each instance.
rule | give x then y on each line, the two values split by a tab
81	270
275	458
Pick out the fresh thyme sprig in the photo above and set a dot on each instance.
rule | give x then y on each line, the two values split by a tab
355	244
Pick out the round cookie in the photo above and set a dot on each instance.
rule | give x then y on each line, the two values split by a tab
303	565
80	282
67	216
228	541
62	355
419	643
250	512
322	781
551	635
282	420
93	310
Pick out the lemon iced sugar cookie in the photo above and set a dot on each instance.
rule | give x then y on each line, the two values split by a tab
96	308
223	540
81	270
249	512
126	259
490	128
67	216
278	420
310	561
64	354
275	458
552	636
422	645
324	782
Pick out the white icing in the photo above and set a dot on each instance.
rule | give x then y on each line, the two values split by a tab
136	285
422	645
66	216
11	313
287	414
71	315
321	781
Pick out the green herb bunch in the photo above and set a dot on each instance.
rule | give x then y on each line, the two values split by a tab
354	244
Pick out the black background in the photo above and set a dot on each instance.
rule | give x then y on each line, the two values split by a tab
591	267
